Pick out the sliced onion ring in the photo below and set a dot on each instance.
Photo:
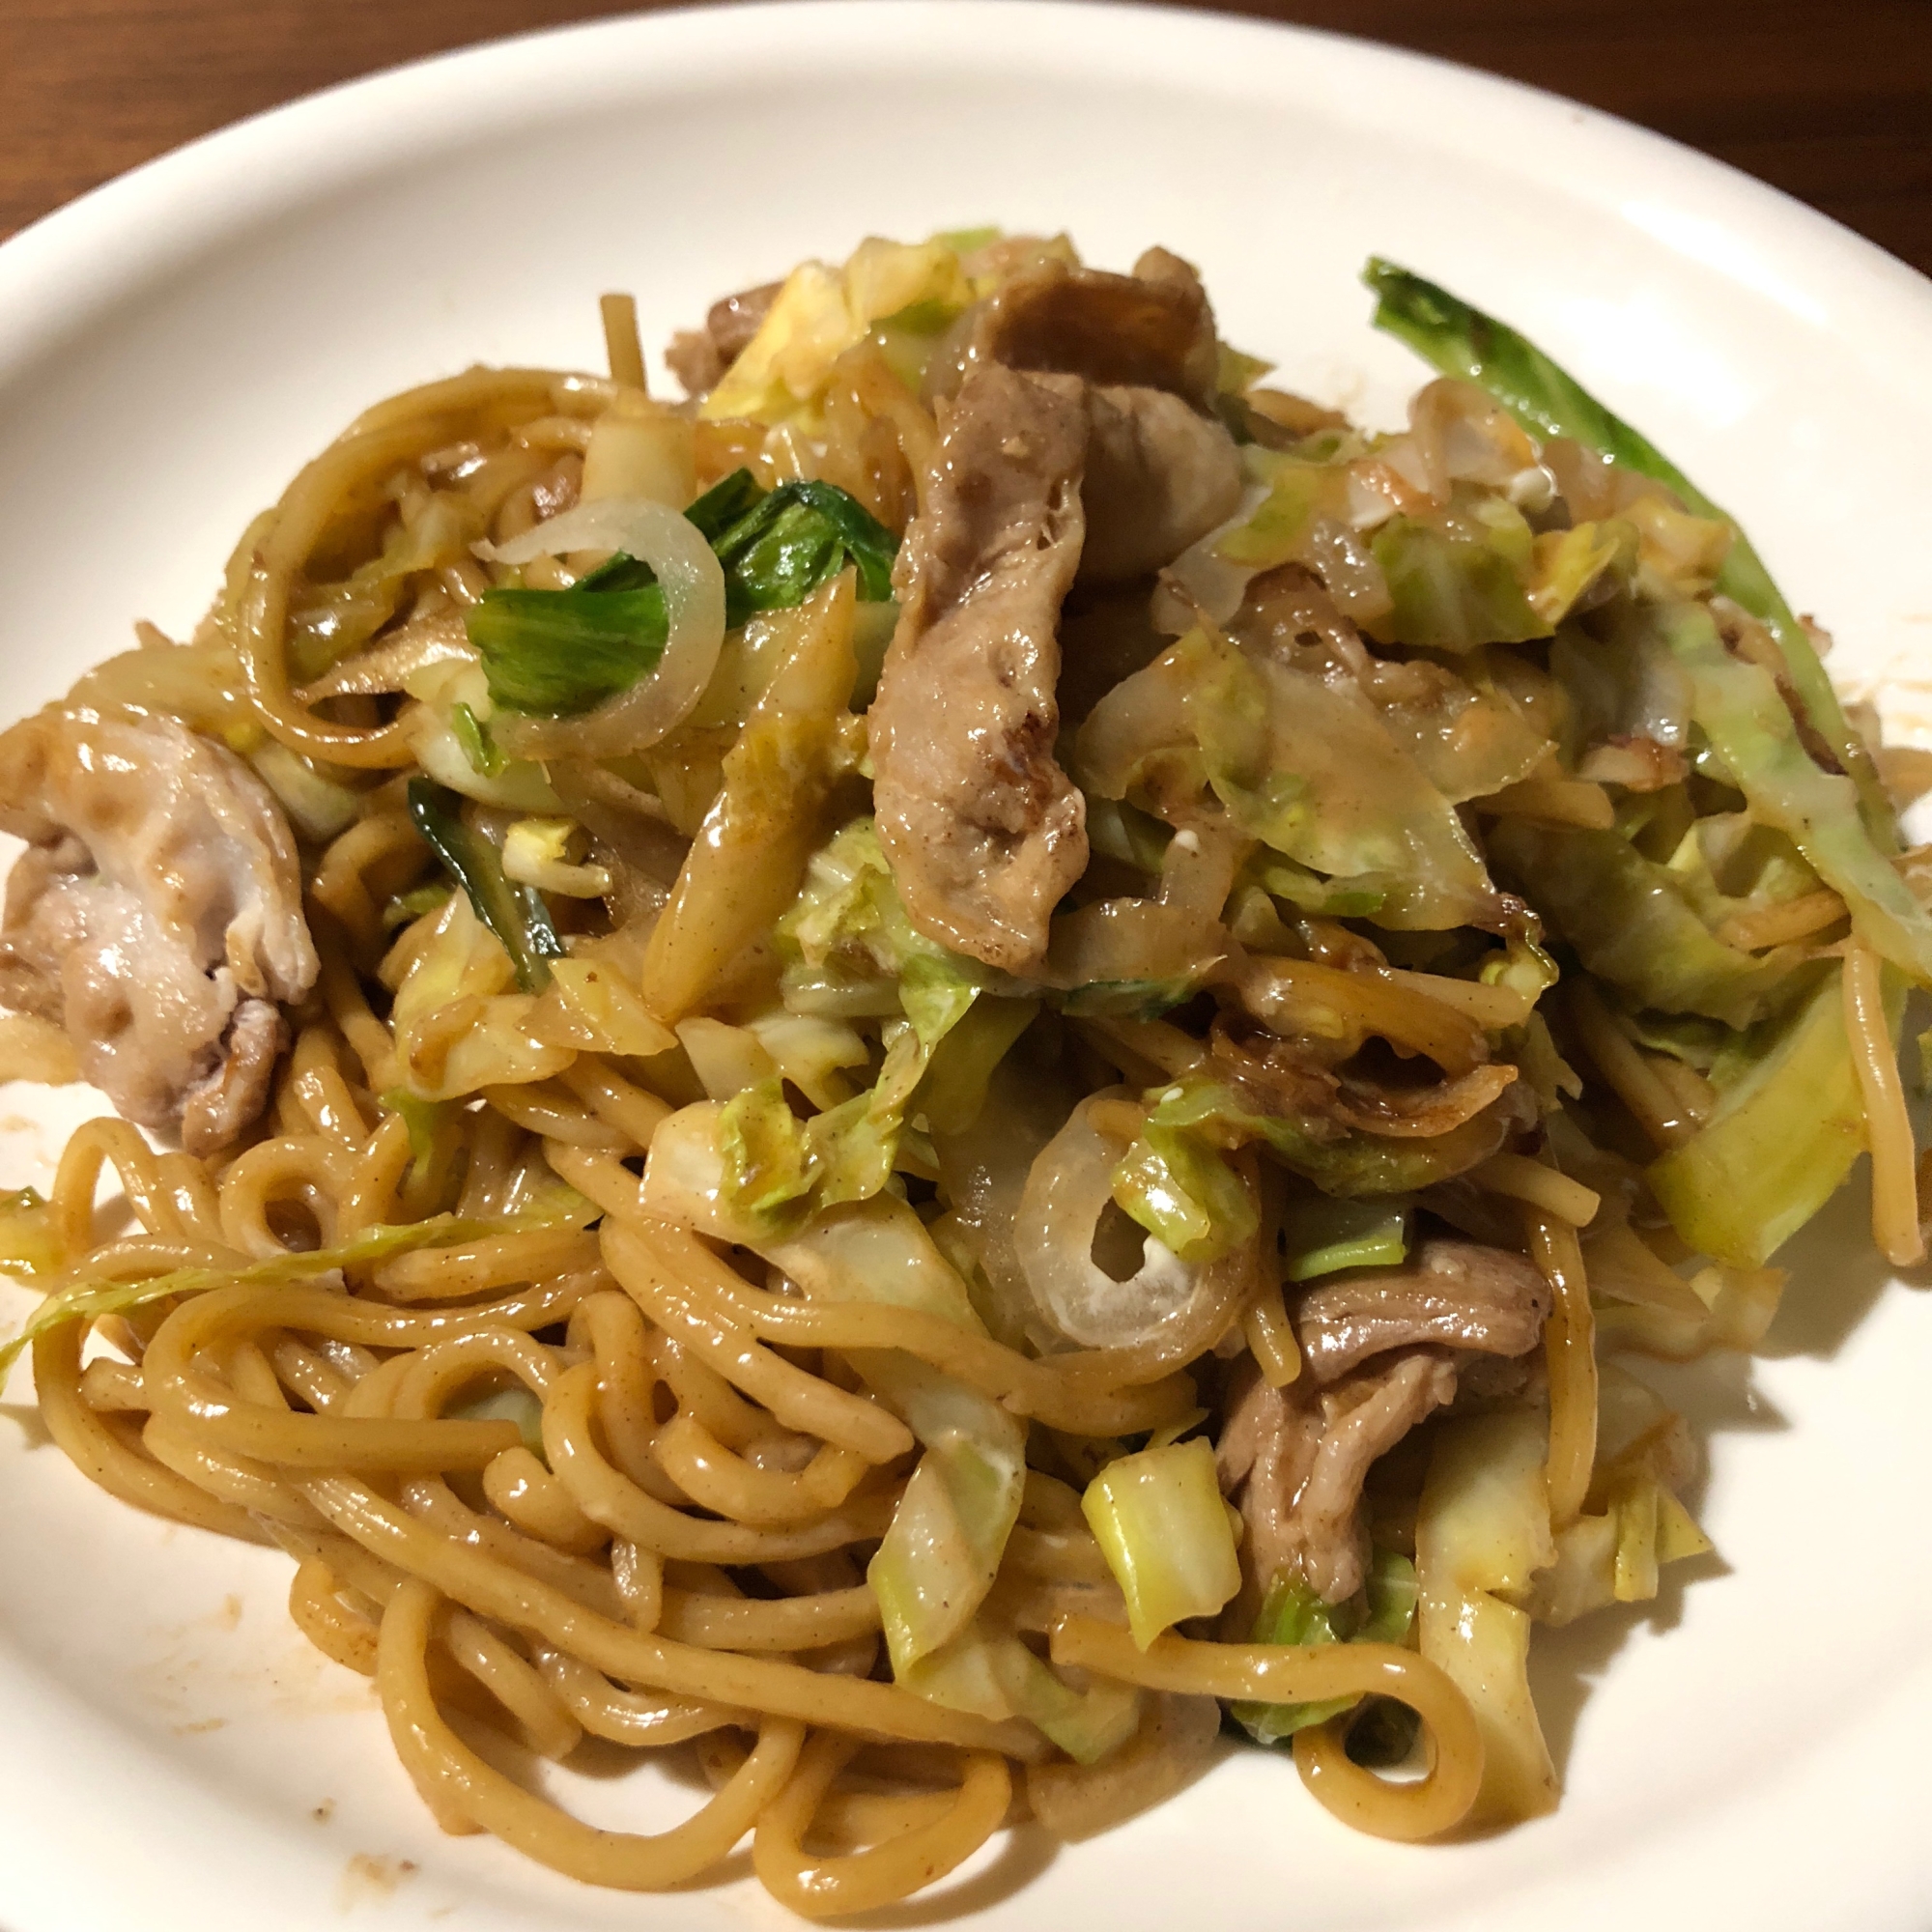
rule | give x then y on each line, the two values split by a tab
1068	1190
694	590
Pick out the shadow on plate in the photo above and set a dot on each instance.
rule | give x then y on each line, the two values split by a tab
1024	1852
1567	1662
26	1417
1836	1278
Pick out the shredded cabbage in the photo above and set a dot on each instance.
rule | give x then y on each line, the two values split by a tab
501	1040
1633	1523
1165	1532
998	1676
515	1403
1454	593
1305	764
1790	1122
850	950
1740	710
1174	1184
1292	1613
846	941
85	1301
27	1241
1463	341
943	1546
821	312
782	1170
1634	924
1482	1532
1322	1235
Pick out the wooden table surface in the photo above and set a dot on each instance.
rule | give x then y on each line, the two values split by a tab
1829	99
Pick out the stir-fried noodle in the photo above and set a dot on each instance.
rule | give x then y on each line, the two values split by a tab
939	1070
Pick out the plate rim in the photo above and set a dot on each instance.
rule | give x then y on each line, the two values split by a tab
50	251
61	272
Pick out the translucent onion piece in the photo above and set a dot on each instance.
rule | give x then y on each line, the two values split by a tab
1200	586
1068	1190
694	590
389	665
1460	433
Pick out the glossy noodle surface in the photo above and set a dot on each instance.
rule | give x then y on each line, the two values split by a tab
954	1069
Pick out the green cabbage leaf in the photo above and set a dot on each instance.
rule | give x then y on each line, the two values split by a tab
1633	924
1307	766
1790	1121
1460	340
1292	1613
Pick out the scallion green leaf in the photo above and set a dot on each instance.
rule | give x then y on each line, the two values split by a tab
799	539
558	653
516	914
725	503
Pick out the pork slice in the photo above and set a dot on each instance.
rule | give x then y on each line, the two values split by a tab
983	830
1150	329
1158	478
1041	480
1483	1380
698	357
231	1095
1455	1293
156	914
1363	1417
1264	1457
1297	1457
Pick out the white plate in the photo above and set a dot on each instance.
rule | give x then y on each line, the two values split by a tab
1748	1751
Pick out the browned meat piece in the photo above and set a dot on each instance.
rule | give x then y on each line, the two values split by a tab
1458	1294
227	1101
693	357
1363	1418
733	320
1289	1078
1038	474
1299	1456
156	914
1152	330
1266	1456
1426	1111
1158	477
983	828
1481	1380
698	358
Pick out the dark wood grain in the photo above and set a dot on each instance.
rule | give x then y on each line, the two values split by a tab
1829	99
